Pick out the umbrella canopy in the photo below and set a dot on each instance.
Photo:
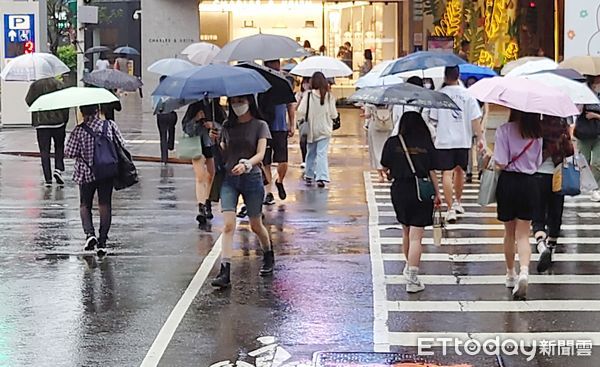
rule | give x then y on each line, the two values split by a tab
475	71
423	60
97	49
72	97
170	66
524	95
579	93
35	66
281	90
586	65
404	94
565	73
212	81
126	50
330	67
113	79
532	67
374	78
201	53
259	47
513	64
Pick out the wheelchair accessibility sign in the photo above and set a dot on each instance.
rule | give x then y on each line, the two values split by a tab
19	34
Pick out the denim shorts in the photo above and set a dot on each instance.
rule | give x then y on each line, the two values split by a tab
250	186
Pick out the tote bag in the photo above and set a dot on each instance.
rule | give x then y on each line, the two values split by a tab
588	182
567	178
189	147
489	183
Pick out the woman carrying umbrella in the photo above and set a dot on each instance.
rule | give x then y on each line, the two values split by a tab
243	143
587	129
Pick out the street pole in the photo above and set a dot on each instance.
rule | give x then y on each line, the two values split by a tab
556	32
80	45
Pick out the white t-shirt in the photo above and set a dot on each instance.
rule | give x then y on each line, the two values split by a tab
454	128
102	64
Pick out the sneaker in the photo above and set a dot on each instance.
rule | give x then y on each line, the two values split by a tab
596	196
520	290
458	207
281	190
90	243
58	177
268	263
243	212
414	284
451	216
201	217
269	199
102	251
208	206
545	256
48	184
511	280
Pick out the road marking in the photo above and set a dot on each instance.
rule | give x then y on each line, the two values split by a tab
167	331
495	279
546	305
388	204
467	258
491	241
380	312
410	339
492	227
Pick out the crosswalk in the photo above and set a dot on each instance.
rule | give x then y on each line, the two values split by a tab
465	295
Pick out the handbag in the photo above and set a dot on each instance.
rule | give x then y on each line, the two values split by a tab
567	178
303	123
382	120
337	123
189	147
220	173
127	174
425	188
588	182
585	128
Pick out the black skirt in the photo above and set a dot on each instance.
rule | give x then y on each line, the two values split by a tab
517	196
409	210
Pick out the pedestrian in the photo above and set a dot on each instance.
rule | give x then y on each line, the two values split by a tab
547	218
368	64
50	127
308	48
81	147
102	63
320	104
408	157
379	128
302	132
465	47
108	109
166	123
348	55
587	130
518	154
322	50
243	143
453	139
198	121
281	119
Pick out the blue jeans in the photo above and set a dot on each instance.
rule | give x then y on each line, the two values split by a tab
317	164
250	186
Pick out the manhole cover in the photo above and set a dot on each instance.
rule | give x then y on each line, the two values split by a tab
341	359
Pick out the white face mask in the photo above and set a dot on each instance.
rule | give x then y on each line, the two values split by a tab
427	85
240	108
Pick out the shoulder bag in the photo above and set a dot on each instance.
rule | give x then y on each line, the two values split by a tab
127	174
382	120
567	178
303	123
337	122
585	128
425	188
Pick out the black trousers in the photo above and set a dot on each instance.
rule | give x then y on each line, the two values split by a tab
86	200
45	138
166	130
547	216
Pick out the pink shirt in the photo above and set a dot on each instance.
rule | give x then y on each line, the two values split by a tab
510	143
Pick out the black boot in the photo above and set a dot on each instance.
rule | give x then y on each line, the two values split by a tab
223	280
201	217
268	263
208	206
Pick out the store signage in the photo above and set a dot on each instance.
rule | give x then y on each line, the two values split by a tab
19	35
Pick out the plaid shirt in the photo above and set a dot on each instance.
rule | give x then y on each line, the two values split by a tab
80	146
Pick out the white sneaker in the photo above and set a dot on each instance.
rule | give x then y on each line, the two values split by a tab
458	207
451	216
520	290
414	284
511	280
596	196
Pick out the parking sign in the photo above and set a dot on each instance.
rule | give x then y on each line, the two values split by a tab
19	35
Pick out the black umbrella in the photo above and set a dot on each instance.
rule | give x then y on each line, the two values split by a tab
113	79
404	94
97	49
281	91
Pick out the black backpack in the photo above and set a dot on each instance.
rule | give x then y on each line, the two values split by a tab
106	161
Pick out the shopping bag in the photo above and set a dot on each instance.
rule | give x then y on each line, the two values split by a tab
568	176
438	227
488	184
588	182
189	147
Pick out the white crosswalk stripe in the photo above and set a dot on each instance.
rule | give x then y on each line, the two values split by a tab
464	251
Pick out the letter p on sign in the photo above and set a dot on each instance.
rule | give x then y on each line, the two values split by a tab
18	22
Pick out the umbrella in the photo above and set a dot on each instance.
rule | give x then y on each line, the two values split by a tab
475	71
113	79
126	50
212	81
518	62
373	77
423	60
281	91
524	95
404	94
170	66
533	66
260	47
162	104
579	93
586	65
72	97
330	67
201	53
97	49
30	67
565	73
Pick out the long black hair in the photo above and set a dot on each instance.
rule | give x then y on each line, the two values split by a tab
232	118
207	107
530	125
412	125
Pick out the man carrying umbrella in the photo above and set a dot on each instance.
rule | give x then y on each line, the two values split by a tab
280	118
455	130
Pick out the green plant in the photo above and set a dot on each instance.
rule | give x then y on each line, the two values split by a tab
68	55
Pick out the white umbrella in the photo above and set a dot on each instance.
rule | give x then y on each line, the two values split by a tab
374	79
330	67
534	66
260	47
35	66
72	97
170	66
201	53
518	62
578	92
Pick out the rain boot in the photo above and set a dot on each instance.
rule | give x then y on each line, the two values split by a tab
208	206
268	262
223	280
201	217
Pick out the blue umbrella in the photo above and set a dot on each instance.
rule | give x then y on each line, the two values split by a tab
474	71
126	50
422	60
212	81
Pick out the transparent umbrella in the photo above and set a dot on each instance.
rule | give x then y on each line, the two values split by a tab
35	66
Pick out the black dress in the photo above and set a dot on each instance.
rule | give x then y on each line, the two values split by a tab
410	211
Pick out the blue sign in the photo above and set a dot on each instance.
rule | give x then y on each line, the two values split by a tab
19	35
